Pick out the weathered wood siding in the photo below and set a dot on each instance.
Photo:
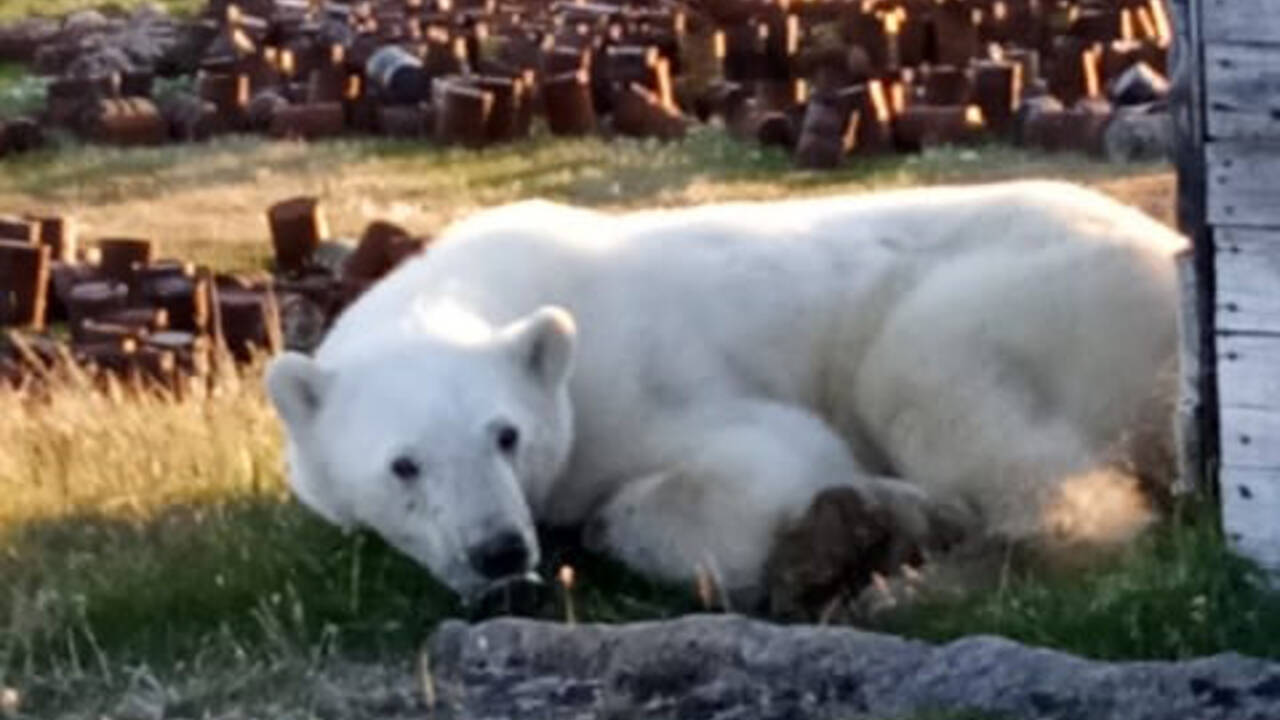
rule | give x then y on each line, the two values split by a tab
1240	67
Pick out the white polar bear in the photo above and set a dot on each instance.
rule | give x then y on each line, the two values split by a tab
685	382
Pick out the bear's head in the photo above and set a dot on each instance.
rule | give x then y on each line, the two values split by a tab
432	442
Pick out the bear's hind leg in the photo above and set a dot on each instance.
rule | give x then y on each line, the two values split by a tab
726	481
749	484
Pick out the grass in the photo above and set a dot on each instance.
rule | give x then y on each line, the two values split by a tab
18	9
21	93
149	548
206	202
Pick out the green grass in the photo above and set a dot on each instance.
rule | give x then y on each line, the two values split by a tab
1178	593
146	542
206	202
18	9
21	94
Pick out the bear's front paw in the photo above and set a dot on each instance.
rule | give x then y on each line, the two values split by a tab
832	552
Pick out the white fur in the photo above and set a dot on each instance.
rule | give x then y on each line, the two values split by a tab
981	344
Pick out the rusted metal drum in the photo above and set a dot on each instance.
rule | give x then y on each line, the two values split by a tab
297	227
146	319
191	352
127	122
920	126
509	97
398	76
946	85
997	89
309	122
874	132
21	230
568	104
249	321
90	300
406	121
59	233
229	93
122	256
24	284
462	112
826	133
639	112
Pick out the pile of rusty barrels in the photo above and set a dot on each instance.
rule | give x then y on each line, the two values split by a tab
823	78
117	309
828	80
471	74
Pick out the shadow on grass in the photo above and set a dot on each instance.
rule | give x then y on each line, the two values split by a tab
255	573
1178	593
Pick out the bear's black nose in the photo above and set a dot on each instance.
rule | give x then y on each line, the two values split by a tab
500	556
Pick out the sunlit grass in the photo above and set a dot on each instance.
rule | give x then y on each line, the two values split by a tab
17	9
206	202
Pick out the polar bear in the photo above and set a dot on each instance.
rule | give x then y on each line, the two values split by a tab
686	383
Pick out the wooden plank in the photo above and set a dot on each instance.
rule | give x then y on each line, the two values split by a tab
1189	422
1242	90
1249	373
1243	180
1248	21
1250	437
1186	106
1250	509
1247	274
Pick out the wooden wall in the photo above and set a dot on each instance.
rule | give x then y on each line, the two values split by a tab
1240	81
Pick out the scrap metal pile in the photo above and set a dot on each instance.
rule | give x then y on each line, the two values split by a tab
118	310
824	78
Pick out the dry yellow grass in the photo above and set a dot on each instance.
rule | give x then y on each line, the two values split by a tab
207	202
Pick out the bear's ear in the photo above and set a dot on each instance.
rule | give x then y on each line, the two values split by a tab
297	387
543	342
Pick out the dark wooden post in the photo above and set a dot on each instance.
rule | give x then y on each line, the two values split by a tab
1198	417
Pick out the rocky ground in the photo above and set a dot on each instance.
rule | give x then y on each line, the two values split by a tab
732	668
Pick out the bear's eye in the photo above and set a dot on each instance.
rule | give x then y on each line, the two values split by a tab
405	468
508	439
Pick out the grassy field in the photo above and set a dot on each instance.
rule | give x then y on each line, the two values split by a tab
18	9
207	202
150	552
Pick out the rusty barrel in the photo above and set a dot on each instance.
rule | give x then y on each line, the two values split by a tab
182	294
874	132
509	98
24	284
127	122
406	121
639	111
398	76
59	233
90	300
122	256
462	112
21	230
997	89
249	321
568	104
826	133
229	93
297	227
946	85
190	351
309	122
920	126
